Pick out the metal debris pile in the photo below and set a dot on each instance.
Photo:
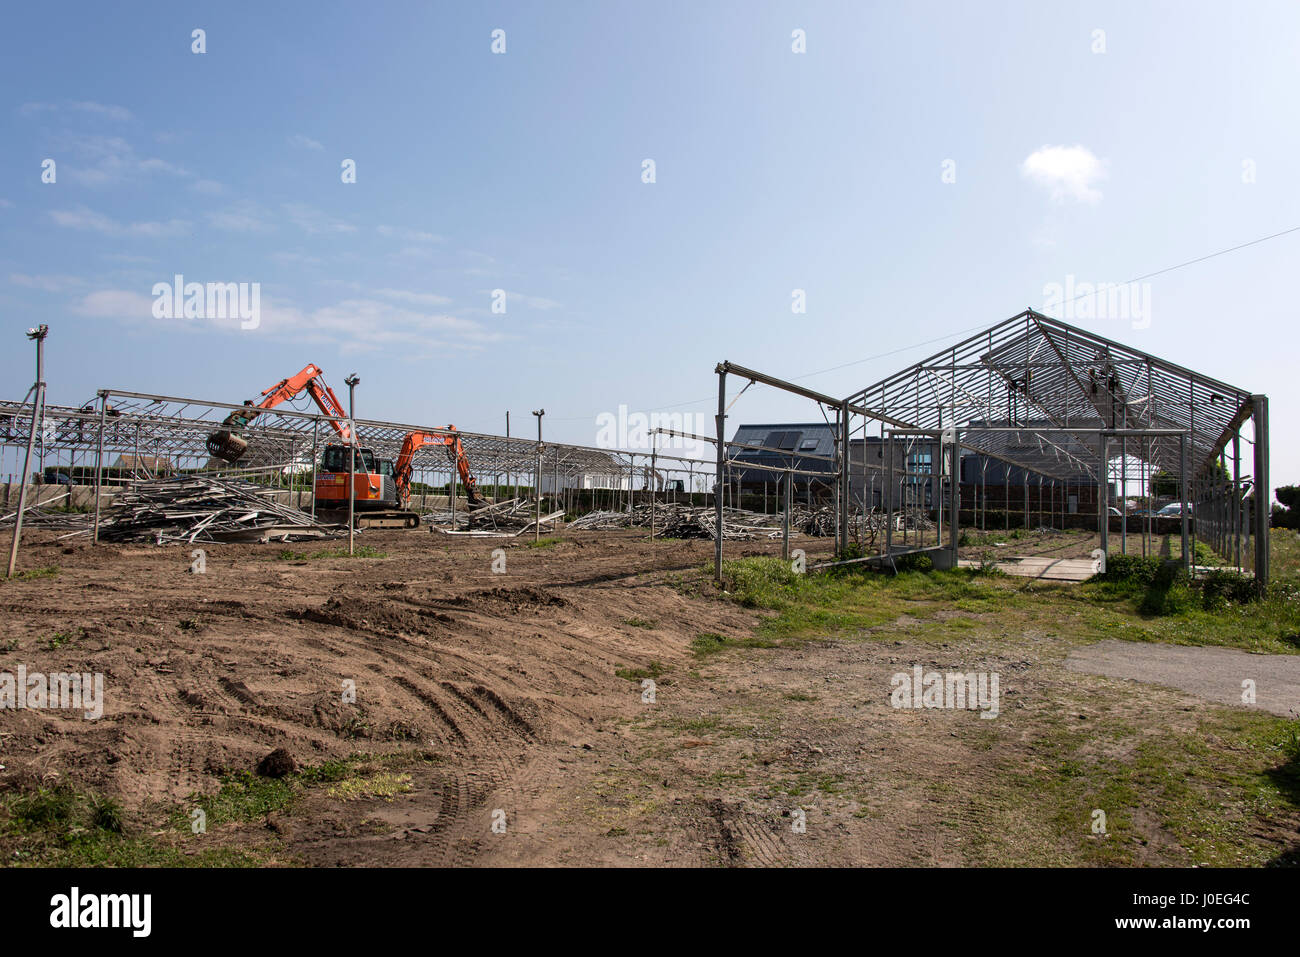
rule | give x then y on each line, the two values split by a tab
506	519
203	508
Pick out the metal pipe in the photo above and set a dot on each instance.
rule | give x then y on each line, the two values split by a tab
721	423
38	413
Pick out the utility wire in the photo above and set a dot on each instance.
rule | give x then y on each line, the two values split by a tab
962	332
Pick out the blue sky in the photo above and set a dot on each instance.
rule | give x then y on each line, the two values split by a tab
775	171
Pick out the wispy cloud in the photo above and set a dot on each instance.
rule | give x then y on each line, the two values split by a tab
1069	173
244	217
312	221
121	304
100	160
45	283
107	110
415	298
409	235
305	142
533	302
85	219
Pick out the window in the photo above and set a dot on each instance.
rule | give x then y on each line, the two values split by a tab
807	445
782	440
336	459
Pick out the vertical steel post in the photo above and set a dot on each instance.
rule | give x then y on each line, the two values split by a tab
537	481
785	523
889	492
1236	498
1182	495
1103	495
315	441
38	413
844	477
99	464
721	422
1263	493
352	382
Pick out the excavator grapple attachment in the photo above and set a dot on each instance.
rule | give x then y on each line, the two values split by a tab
227	445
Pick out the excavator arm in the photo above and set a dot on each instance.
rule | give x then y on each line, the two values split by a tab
229	445
415	441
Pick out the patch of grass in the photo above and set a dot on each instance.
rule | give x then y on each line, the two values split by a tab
61	638
359	551
63	827
635	622
49	571
543	543
709	643
652	671
383	784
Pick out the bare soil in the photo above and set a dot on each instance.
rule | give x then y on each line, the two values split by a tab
504	692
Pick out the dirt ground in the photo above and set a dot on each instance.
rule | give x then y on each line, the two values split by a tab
504	690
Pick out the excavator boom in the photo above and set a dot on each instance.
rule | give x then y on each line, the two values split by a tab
229	445
415	441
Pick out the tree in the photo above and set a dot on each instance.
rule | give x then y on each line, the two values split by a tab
1287	515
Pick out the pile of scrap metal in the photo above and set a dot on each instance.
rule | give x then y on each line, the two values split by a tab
203	508
507	519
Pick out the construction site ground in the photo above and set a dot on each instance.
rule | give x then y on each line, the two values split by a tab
501	715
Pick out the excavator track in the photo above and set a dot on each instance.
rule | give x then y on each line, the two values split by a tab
371	519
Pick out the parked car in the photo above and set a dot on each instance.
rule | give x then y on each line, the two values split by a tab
1174	510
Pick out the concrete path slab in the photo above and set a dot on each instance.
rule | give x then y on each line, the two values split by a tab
1215	674
1029	566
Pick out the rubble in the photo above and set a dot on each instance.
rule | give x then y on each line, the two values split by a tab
203	508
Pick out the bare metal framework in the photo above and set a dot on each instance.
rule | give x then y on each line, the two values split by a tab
1066	406
148	431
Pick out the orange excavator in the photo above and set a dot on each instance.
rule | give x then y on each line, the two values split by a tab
381	489
415	441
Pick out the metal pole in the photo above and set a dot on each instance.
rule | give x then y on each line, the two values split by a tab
654	481
721	423
1236	498
785	523
844	477
315	436
1103	495
352	382
38	413
537	508
1263	493
1182	495
99	465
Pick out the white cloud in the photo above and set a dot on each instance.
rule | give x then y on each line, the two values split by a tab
45	283
91	221
534	302
5	204
1068	172
312	221
306	142
107	110
115	304
409	235
102	160
245	217
415	298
